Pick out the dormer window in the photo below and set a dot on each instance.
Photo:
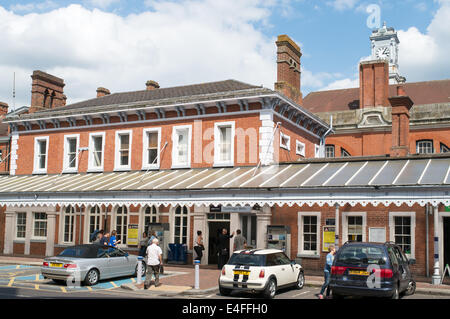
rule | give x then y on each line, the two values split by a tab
424	147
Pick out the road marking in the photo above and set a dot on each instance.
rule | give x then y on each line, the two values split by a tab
18	266
63	289
11	282
302	293
132	279
114	284
36	287
89	288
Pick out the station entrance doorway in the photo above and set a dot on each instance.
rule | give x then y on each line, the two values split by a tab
216	222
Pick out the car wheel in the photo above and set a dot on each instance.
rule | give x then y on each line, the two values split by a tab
396	294
300	280
271	289
224	291
92	277
411	289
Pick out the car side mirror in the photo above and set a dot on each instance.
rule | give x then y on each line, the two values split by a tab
412	261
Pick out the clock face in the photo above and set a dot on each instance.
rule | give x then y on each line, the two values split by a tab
383	53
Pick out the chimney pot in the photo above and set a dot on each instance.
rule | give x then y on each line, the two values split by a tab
152	85
101	91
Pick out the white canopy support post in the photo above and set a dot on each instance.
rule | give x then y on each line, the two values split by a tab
436	278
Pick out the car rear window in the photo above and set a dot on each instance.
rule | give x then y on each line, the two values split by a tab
79	252
356	255
247	260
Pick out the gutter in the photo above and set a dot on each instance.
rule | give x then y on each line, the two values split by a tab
322	138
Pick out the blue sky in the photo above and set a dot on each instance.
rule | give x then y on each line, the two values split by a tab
121	44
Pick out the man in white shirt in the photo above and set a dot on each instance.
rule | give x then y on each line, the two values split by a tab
154	261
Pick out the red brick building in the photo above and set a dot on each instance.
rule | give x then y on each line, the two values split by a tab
226	154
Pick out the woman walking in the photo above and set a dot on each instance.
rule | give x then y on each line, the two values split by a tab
327	271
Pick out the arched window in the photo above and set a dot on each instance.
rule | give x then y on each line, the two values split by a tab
95	219
122	224
69	224
181	225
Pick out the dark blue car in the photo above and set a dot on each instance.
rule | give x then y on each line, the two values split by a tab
371	269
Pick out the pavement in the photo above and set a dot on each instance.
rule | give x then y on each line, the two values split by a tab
179	279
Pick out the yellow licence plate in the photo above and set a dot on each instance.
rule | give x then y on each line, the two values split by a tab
241	272
58	265
359	272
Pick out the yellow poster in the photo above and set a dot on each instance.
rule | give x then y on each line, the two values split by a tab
132	235
329	233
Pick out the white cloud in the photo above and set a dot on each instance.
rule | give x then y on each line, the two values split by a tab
341	84
174	44
424	56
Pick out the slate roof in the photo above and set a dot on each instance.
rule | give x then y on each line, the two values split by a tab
162	93
422	93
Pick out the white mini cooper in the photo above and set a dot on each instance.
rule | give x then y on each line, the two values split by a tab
260	270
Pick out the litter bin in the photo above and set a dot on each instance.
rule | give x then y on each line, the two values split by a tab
172	253
182	253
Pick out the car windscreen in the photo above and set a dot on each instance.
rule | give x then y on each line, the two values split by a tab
247	260
356	255
79	252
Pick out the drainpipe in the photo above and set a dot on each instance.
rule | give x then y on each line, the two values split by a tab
322	139
436	278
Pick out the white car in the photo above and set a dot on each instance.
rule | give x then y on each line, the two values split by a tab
260	270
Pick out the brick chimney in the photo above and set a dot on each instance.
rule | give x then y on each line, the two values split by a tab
373	83
288	69
102	92
3	109
47	92
152	85
401	104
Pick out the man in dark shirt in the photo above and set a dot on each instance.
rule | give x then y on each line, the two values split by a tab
223	245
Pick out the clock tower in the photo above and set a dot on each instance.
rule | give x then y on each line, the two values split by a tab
385	47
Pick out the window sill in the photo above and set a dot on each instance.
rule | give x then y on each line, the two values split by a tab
95	170
39	172
38	240
150	168
304	255
177	166
122	169
227	164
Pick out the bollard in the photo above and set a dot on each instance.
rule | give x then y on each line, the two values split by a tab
197	274
139	270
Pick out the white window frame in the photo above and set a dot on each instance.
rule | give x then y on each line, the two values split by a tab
33	226
63	224
392	216
17	225
418	146
217	127
302	152
145	159
66	168
172	222
308	253
91	167
345	216
123	225
316	151
88	224
117	165
175	129
286	146
36	168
